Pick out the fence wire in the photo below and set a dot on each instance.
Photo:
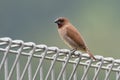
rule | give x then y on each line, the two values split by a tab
21	60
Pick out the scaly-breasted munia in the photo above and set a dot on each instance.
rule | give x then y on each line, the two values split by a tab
71	36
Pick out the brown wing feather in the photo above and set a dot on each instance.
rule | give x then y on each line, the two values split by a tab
76	37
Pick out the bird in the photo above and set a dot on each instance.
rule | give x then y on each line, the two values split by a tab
71	36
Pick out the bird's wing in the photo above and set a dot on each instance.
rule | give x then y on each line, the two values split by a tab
76	37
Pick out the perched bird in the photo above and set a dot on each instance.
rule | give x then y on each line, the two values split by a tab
71	36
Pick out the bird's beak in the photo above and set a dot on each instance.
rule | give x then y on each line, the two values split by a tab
56	21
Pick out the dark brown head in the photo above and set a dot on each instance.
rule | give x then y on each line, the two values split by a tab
61	21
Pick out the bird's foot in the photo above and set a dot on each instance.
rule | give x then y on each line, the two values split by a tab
73	50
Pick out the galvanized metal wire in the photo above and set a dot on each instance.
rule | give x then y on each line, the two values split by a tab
21	60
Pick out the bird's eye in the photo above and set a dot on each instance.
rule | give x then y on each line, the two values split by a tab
61	21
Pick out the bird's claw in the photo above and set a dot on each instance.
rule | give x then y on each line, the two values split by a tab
73	50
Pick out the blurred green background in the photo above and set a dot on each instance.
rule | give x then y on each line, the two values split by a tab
33	20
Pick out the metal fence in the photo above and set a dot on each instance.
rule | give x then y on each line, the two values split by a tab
27	61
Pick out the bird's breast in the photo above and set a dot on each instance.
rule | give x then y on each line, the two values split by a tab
70	42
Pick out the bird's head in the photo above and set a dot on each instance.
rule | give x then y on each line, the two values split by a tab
61	21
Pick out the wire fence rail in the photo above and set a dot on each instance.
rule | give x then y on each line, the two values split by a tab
21	60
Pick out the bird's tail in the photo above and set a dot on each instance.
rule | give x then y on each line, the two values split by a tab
90	54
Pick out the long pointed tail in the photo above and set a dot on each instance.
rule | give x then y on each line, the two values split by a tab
91	55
